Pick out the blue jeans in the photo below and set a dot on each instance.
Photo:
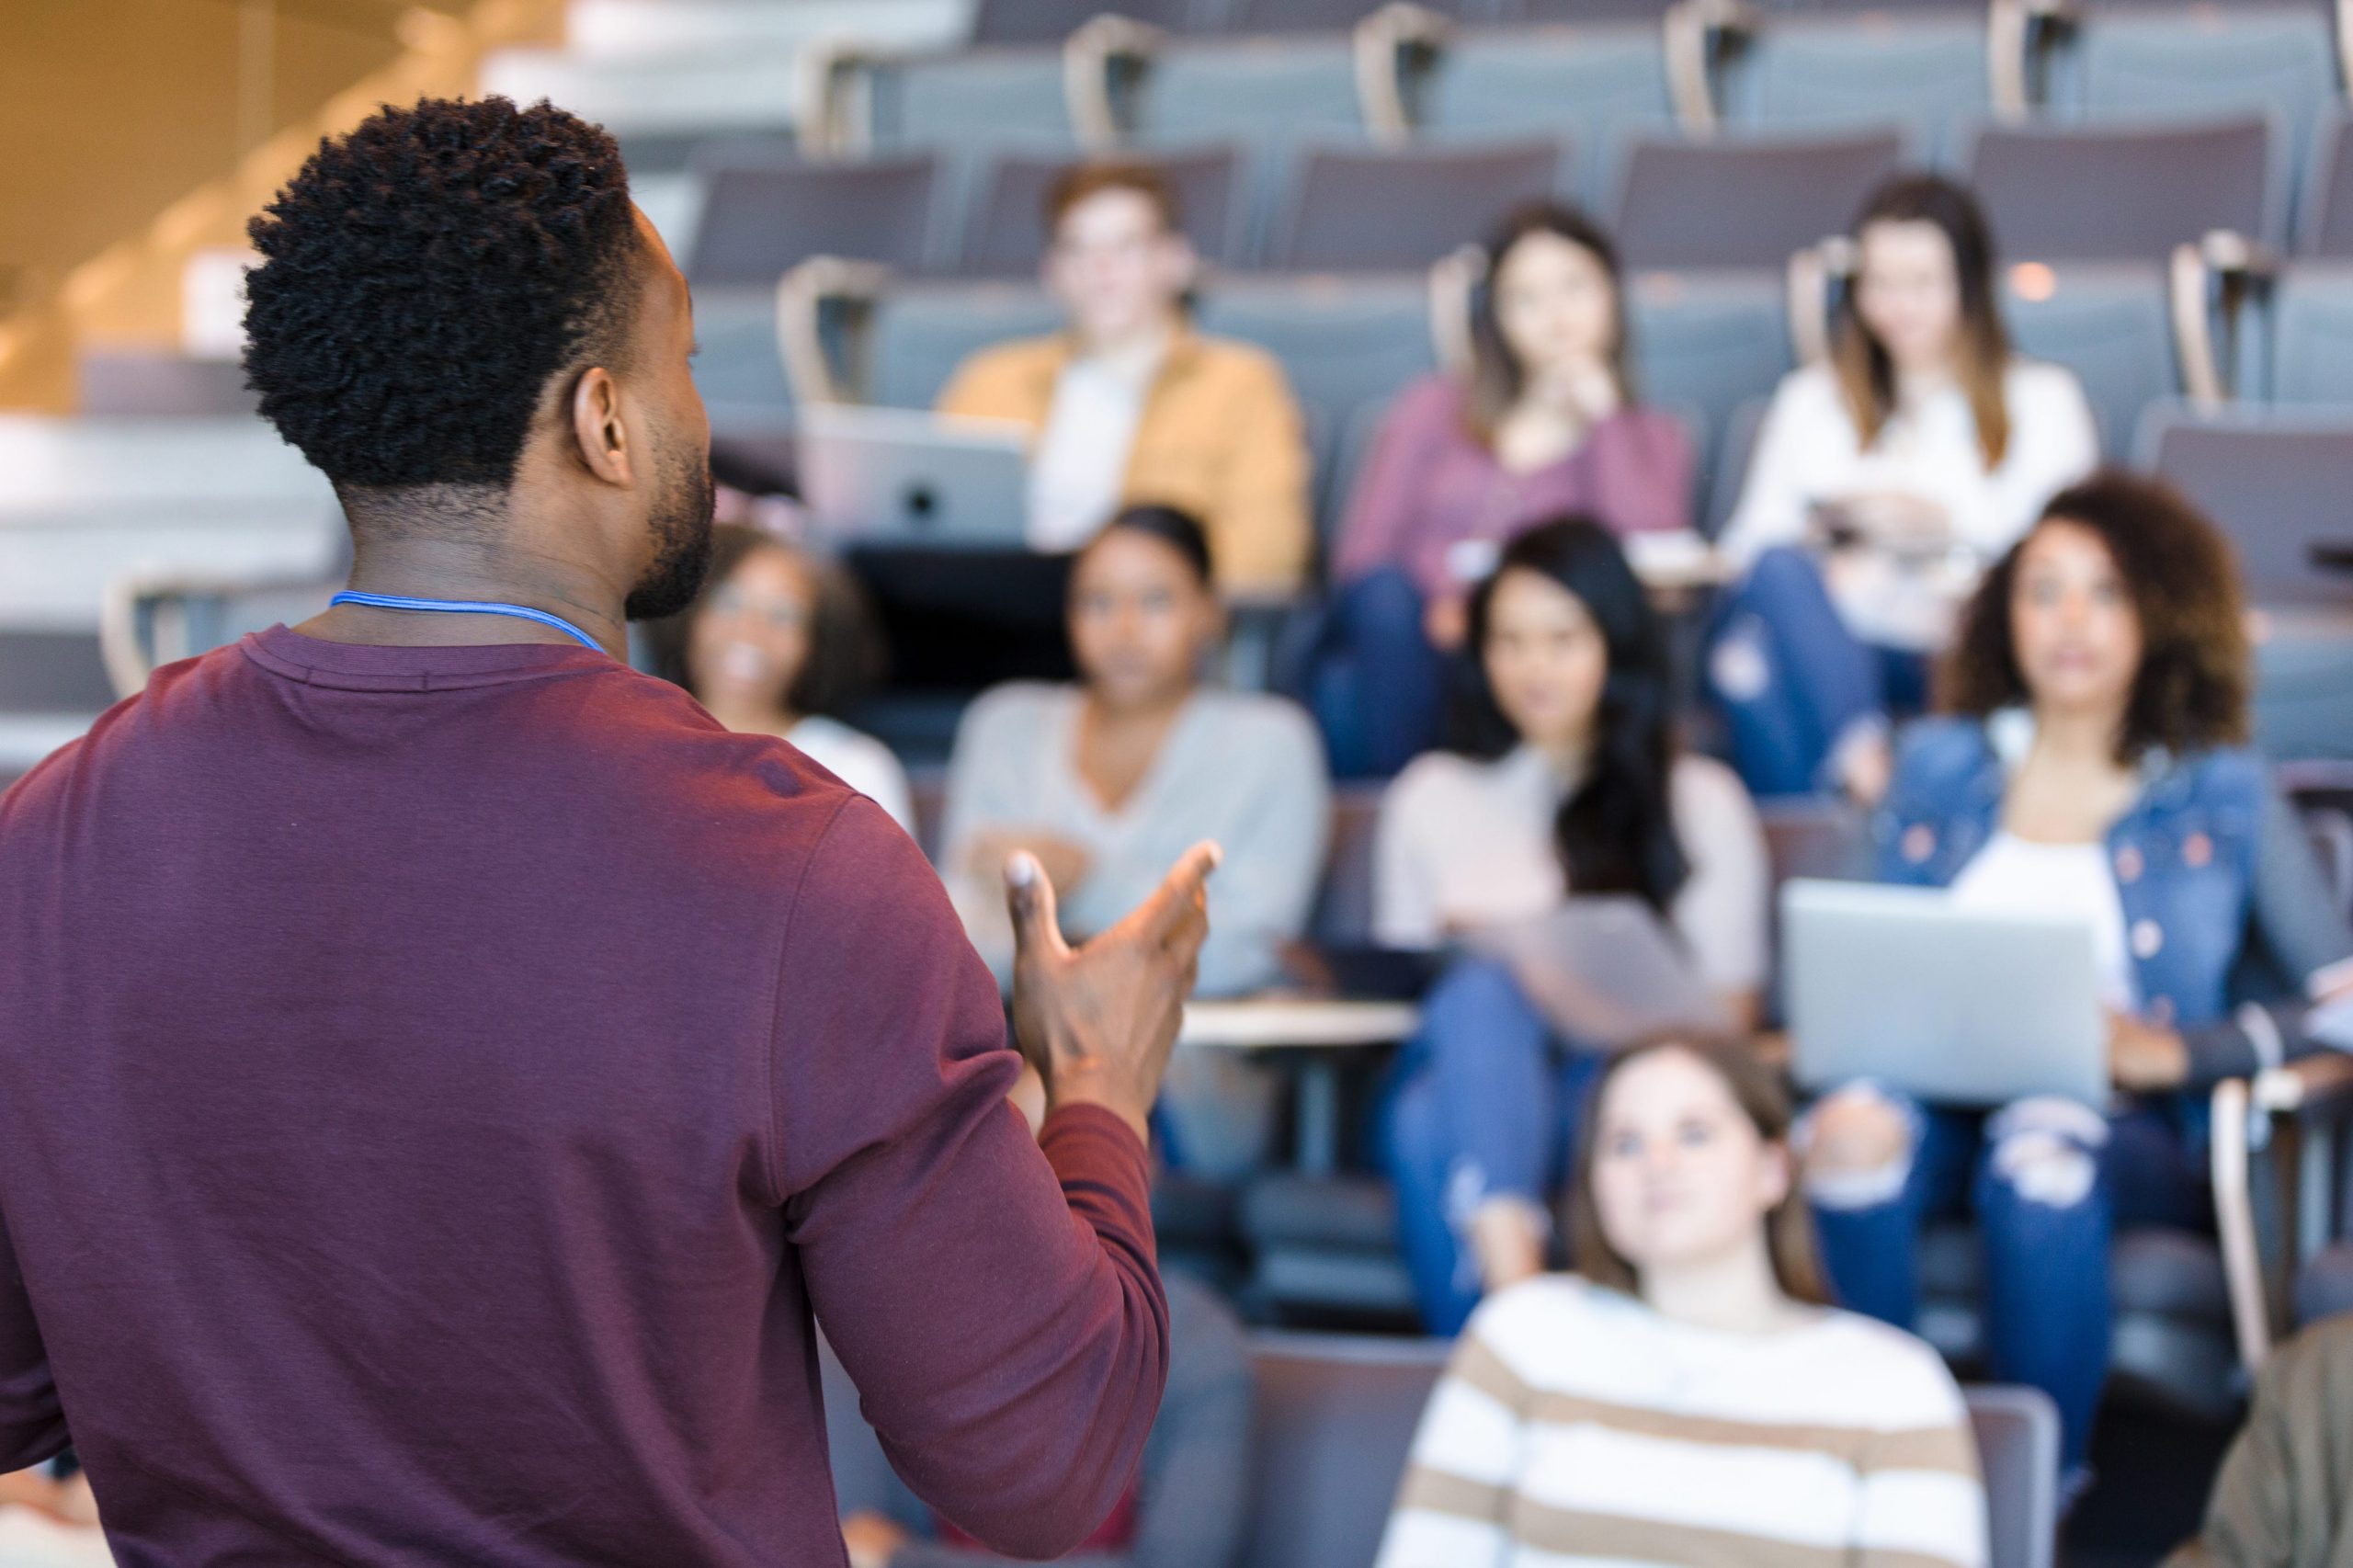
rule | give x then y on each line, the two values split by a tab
2046	1203
1791	681
1376	687
1483	1104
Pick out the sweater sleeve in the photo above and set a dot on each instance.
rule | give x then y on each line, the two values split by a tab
1722	911
2279	1500
1404	899
2303	930
1643	473
1259	523
1000	1313
1773	499
1923	1499
1452	1507
988	792
2053	443
1275	841
32	1418
1386	508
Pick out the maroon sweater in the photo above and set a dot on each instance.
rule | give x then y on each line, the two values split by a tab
438	1085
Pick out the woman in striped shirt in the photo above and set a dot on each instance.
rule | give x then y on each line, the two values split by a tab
1689	1400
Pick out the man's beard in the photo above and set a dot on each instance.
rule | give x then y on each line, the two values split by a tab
681	526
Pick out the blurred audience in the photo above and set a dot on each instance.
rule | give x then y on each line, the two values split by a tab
1882	481
1567	780
1690	1398
1129	404
1190	1501
780	644
2284	1498
2095	764
1544	422
1105	781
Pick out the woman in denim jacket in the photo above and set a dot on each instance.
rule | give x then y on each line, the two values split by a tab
2096	766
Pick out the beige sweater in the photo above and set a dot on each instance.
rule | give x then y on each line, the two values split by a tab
2284	1498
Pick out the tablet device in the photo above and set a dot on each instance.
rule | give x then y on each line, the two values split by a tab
881	476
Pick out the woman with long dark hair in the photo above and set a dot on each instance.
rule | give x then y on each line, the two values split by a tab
1545	421
1567	782
1690	1398
1883	481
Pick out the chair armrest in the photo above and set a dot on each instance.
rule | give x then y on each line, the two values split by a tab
1093	57
2230	1156
1387	44
2213	273
127	660
1694	32
801	295
2313	1089
828	120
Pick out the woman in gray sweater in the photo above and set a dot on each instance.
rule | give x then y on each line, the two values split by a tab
1106	780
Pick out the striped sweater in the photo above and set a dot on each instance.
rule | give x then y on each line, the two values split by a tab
1576	1426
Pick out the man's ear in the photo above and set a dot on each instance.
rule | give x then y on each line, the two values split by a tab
597	428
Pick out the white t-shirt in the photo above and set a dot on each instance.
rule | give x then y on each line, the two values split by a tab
2018	876
1079	468
1810	451
1463	844
860	761
1576	1424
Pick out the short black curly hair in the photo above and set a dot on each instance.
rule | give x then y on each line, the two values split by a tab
423	277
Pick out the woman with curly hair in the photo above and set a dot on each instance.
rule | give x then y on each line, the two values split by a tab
2094	764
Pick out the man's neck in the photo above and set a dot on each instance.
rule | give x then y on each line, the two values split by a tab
472	573
1136	351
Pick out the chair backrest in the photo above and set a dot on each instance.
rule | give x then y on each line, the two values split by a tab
1344	342
1335	1418
921	332
969	99
1746	203
2324	213
2309	345
2018	1448
1360	209
1342	916
1050	21
2195	61
1709	342
2109	194
762	217
1808	72
1005	232
1598	86
2110	324
1336	1414
737	367
1735	448
2276	483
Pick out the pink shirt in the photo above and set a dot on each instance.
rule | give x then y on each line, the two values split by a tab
1429	485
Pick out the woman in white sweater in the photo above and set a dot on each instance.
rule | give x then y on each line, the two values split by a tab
778	643
1884	482
1101	779
1565	782
1689	1399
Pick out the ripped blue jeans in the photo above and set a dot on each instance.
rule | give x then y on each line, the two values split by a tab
2047	1183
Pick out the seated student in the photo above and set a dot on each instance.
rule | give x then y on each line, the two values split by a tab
1916	455
779	643
2284	1498
1099	779
1190	1500
2095	764
1130	403
1569	779
1689	1399
1543	422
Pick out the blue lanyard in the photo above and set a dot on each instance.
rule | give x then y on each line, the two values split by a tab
469	607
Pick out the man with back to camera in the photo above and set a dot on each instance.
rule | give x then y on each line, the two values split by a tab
445	1069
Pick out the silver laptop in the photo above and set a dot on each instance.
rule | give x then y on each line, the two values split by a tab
907	476
1955	1007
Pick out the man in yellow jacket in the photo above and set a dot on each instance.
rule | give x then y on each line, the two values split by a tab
1129	404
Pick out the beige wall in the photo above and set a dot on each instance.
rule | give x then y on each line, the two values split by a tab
114	111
